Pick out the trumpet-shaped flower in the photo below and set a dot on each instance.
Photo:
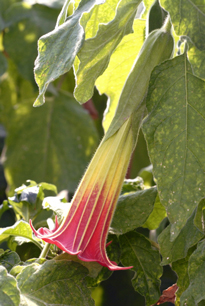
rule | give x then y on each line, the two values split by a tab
84	230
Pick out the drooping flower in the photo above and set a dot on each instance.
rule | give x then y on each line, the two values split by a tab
84	230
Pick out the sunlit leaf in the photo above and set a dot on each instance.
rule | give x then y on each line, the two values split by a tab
156	216
175	137
95	53
58	48
9	293
188	18
19	229
113	79
99	14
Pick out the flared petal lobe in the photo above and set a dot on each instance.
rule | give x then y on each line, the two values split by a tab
84	230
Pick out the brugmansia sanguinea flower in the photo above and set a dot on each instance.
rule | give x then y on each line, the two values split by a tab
84	230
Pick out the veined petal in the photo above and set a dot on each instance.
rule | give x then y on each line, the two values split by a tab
84	230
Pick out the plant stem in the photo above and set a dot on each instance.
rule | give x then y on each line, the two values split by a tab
45	250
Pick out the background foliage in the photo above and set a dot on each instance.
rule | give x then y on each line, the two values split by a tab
84	51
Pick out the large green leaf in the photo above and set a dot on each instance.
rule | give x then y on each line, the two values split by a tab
58	48
188	18
133	210
174	132
9	293
19	229
112	80
54	283
26	24
95	54
59	141
137	252
177	249
196	290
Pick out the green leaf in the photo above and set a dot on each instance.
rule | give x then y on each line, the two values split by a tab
9	260
100	48
54	283
137	252
112	80
196	290
4	207
156	17
3	64
99	14
188	18
199	219
181	268
20	229
197	60
55	204
26	24
175	138
57	49
9	293
156	216
57	146
49	3
132	185
174	250
133	210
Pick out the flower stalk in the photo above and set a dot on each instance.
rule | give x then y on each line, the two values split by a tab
84	230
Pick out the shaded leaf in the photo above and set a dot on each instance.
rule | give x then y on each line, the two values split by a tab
3	64
199	219
9	260
137	252
112	80
54	283
174	133
156	216
26	24
100	48
57	145
181	268
9	293
4	207
57	49
132	210
174	250
188	18
195	293
21	229
156	17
